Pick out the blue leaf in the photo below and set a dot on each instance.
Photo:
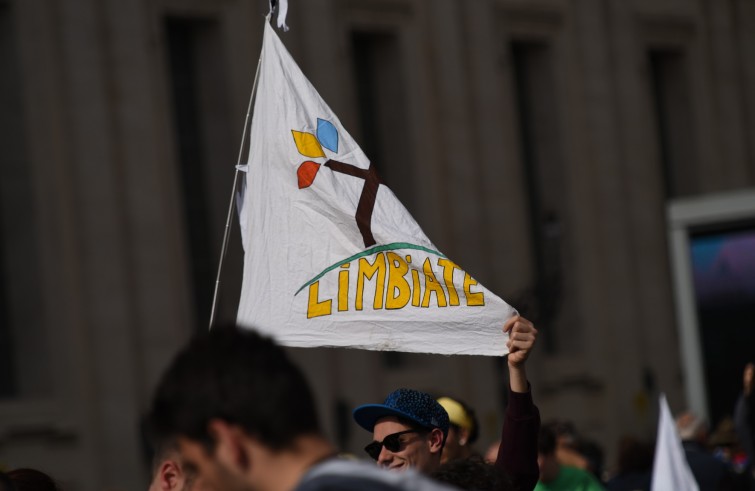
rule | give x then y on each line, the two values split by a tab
327	135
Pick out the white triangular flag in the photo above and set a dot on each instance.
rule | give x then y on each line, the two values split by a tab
332	258
671	471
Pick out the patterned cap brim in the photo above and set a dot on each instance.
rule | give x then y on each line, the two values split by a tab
368	414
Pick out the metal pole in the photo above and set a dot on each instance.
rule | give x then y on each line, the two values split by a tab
229	218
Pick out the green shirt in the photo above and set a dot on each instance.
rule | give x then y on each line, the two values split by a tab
571	479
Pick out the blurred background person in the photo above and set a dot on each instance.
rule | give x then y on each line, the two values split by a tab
566	444
727	448
463	431
634	467
710	473
574	450
555	476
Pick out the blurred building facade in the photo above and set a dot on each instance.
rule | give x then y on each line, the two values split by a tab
537	142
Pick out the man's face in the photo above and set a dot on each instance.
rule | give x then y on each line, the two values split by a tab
210	474
417	450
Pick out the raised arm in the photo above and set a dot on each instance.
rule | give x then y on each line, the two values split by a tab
522	337
517	453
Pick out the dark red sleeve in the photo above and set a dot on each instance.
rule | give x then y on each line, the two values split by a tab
517	454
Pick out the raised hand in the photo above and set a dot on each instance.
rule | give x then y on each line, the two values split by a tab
522	337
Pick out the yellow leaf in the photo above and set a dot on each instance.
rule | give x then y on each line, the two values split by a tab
307	144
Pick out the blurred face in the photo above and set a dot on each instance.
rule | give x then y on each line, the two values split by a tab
457	445
420	451
453	448
210	474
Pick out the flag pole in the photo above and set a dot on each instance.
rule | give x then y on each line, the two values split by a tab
229	217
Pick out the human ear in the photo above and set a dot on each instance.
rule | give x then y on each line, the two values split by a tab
463	436
169	476
436	440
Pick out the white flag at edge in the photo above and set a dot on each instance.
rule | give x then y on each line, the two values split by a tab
671	471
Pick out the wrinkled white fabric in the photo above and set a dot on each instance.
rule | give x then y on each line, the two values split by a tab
310	278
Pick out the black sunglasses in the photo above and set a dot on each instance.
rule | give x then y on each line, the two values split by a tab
392	442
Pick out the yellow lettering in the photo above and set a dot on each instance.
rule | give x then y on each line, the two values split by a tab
343	290
448	279
316	308
367	270
473	298
416	291
432	286
398	288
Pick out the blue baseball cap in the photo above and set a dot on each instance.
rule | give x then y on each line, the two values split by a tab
413	405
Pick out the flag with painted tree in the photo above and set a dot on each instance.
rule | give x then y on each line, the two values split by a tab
332	258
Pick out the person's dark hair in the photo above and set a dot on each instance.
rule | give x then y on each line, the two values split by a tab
31	480
565	429
240	377
473	474
162	451
546	441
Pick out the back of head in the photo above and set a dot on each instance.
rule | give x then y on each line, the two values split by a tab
725	434
564	431
31	480
461	415
238	376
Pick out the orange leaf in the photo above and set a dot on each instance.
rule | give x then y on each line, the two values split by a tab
306	173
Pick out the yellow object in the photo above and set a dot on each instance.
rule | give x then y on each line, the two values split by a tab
456	413
307	144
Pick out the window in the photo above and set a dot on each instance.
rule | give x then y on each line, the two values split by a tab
723	276
711	243
674	121
541	154
381	101
24	366
204	148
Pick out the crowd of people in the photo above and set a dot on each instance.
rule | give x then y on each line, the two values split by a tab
234	413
